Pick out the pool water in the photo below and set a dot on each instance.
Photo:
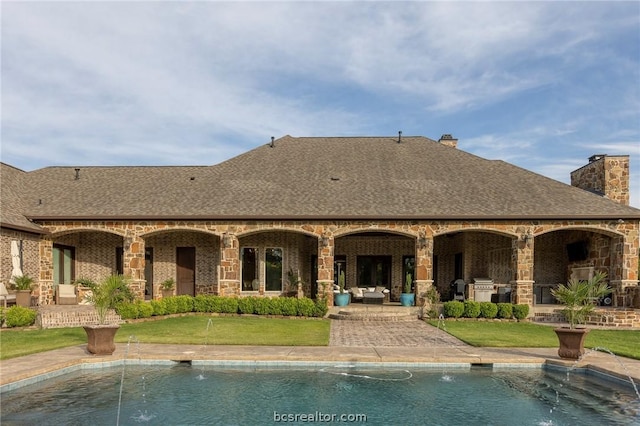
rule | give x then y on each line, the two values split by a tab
206	395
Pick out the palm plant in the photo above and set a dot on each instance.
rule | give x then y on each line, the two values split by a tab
107	294
23	282
580	297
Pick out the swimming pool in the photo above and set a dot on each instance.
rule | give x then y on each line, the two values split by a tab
180	394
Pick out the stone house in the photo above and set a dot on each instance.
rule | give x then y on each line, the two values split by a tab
376	208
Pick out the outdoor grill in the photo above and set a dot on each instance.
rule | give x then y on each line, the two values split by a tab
483	289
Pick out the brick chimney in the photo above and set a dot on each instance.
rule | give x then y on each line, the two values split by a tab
606	175
448	140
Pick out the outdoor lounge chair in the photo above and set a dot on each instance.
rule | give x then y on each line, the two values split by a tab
5	296
66	294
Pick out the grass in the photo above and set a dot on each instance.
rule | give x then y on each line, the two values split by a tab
178	330
297	332
527	335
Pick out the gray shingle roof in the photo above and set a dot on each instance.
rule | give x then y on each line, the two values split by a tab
328	178
12	209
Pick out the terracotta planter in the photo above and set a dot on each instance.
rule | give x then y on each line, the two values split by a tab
101	338
571	342
167	293
23	298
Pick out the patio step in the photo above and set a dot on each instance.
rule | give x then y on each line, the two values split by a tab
364	315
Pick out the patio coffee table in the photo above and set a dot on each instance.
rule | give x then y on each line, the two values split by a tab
373	298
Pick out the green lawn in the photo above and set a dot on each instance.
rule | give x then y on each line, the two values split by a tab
181	330
527	335
232	330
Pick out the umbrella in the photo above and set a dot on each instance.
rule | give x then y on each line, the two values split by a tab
16	260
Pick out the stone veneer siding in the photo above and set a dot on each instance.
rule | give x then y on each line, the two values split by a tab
488	246
605	175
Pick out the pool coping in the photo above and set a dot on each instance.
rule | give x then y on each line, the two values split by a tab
22	371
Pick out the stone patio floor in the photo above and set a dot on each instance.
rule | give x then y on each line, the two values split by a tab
350	341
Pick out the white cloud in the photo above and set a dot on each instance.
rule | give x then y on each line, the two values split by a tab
134	82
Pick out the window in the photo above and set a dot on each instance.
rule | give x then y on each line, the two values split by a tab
374	271
250	269
273	269
63	264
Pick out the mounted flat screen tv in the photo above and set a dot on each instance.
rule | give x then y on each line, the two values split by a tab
578	251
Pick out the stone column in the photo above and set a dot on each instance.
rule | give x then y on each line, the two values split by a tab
423	280
229	278
623	276
325	267
522	265
133	265
45	279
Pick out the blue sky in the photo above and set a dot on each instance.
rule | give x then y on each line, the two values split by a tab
542	85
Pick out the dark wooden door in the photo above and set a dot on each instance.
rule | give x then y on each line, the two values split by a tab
186	270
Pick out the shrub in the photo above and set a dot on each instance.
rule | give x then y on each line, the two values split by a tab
184	304
145	310
2	315
520	311
471	309
275	305
204	303
247	305
305	307
158	307
127	310
505	310
453	309
19	316
263	307
488	310
170	305
321	307
227	305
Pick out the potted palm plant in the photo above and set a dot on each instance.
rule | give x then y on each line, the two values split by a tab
105	295
407	298
23	285
167	287
342	298
579	298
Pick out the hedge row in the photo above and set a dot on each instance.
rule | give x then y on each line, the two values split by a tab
473	309
17	316
287	306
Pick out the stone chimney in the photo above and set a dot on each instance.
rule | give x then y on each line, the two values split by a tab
606	175
448	140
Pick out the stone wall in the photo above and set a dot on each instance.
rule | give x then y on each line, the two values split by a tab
605	175
30	258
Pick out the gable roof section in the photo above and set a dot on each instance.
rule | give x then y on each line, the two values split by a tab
12	208
323	178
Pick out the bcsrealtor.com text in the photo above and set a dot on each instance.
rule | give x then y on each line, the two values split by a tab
318	416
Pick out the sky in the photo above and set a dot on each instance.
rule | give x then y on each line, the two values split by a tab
542	85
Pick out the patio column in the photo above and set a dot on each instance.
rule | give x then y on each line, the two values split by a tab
325	267
423	280
133	264
522	265
45	279
623	276
229	270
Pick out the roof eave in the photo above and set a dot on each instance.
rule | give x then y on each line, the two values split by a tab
626	216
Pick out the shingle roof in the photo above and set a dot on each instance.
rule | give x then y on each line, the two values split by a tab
318	177
12	209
